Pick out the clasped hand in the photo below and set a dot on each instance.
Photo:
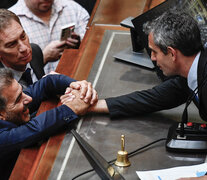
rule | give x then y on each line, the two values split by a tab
79	96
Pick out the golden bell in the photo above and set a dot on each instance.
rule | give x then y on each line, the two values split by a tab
122	156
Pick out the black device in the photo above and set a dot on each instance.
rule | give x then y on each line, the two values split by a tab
136	54
100	165
187	136
181	136
194	139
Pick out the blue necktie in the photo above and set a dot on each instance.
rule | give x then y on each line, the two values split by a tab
196	98
26	77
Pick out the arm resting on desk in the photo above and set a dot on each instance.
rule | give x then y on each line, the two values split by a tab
99	107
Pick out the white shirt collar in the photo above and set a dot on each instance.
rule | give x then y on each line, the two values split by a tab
17	74
192	75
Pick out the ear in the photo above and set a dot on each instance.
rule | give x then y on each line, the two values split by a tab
3	115
173	53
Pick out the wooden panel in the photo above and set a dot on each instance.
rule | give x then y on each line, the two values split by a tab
152	3
114	11
93	12
155	3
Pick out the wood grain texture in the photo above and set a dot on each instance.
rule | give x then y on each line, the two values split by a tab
114	11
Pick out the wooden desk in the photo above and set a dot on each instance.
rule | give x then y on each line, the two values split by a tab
113	12
37	162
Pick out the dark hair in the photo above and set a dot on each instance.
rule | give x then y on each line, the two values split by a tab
6	79
176	29
5	18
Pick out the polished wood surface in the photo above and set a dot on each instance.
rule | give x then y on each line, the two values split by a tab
37	162
152	3
113	12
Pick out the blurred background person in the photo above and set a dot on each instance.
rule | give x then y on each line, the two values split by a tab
42	21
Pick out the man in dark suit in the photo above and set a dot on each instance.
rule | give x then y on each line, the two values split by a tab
175	43
16	53
18	130
176	47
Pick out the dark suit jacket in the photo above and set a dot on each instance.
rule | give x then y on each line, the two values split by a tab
37	61
168	94
7	4
13	137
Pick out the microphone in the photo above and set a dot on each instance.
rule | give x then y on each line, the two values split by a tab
185	113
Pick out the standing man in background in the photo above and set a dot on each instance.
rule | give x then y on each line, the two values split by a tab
42	21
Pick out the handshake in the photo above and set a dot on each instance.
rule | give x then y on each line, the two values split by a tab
80	97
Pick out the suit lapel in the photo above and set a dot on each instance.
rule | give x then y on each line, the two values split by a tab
202	76
37	61
1	65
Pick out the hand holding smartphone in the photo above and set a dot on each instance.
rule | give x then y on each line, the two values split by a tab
66	31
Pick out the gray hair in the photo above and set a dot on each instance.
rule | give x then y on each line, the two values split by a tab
6	79
175	29
5	18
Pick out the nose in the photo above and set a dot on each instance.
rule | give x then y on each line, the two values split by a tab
153	57
27	99
22	46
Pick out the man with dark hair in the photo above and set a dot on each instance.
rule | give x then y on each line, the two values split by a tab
18	130
16	52
175	43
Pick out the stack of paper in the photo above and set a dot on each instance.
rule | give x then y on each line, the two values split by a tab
174	173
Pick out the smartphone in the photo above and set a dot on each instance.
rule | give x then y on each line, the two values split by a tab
66	31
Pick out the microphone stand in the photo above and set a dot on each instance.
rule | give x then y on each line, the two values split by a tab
185	114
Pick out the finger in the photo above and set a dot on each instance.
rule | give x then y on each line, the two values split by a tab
84	89
61	53
75	85
89	93
72	40
94	97
66	96
63	99
69	99
76	93
71	45
60	44
68	90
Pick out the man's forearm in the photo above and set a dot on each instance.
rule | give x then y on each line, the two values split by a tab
99	107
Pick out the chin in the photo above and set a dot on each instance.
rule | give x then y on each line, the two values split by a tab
27	119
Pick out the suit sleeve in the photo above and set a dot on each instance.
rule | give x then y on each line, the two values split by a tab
47	88
14	137
169	94
38	128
